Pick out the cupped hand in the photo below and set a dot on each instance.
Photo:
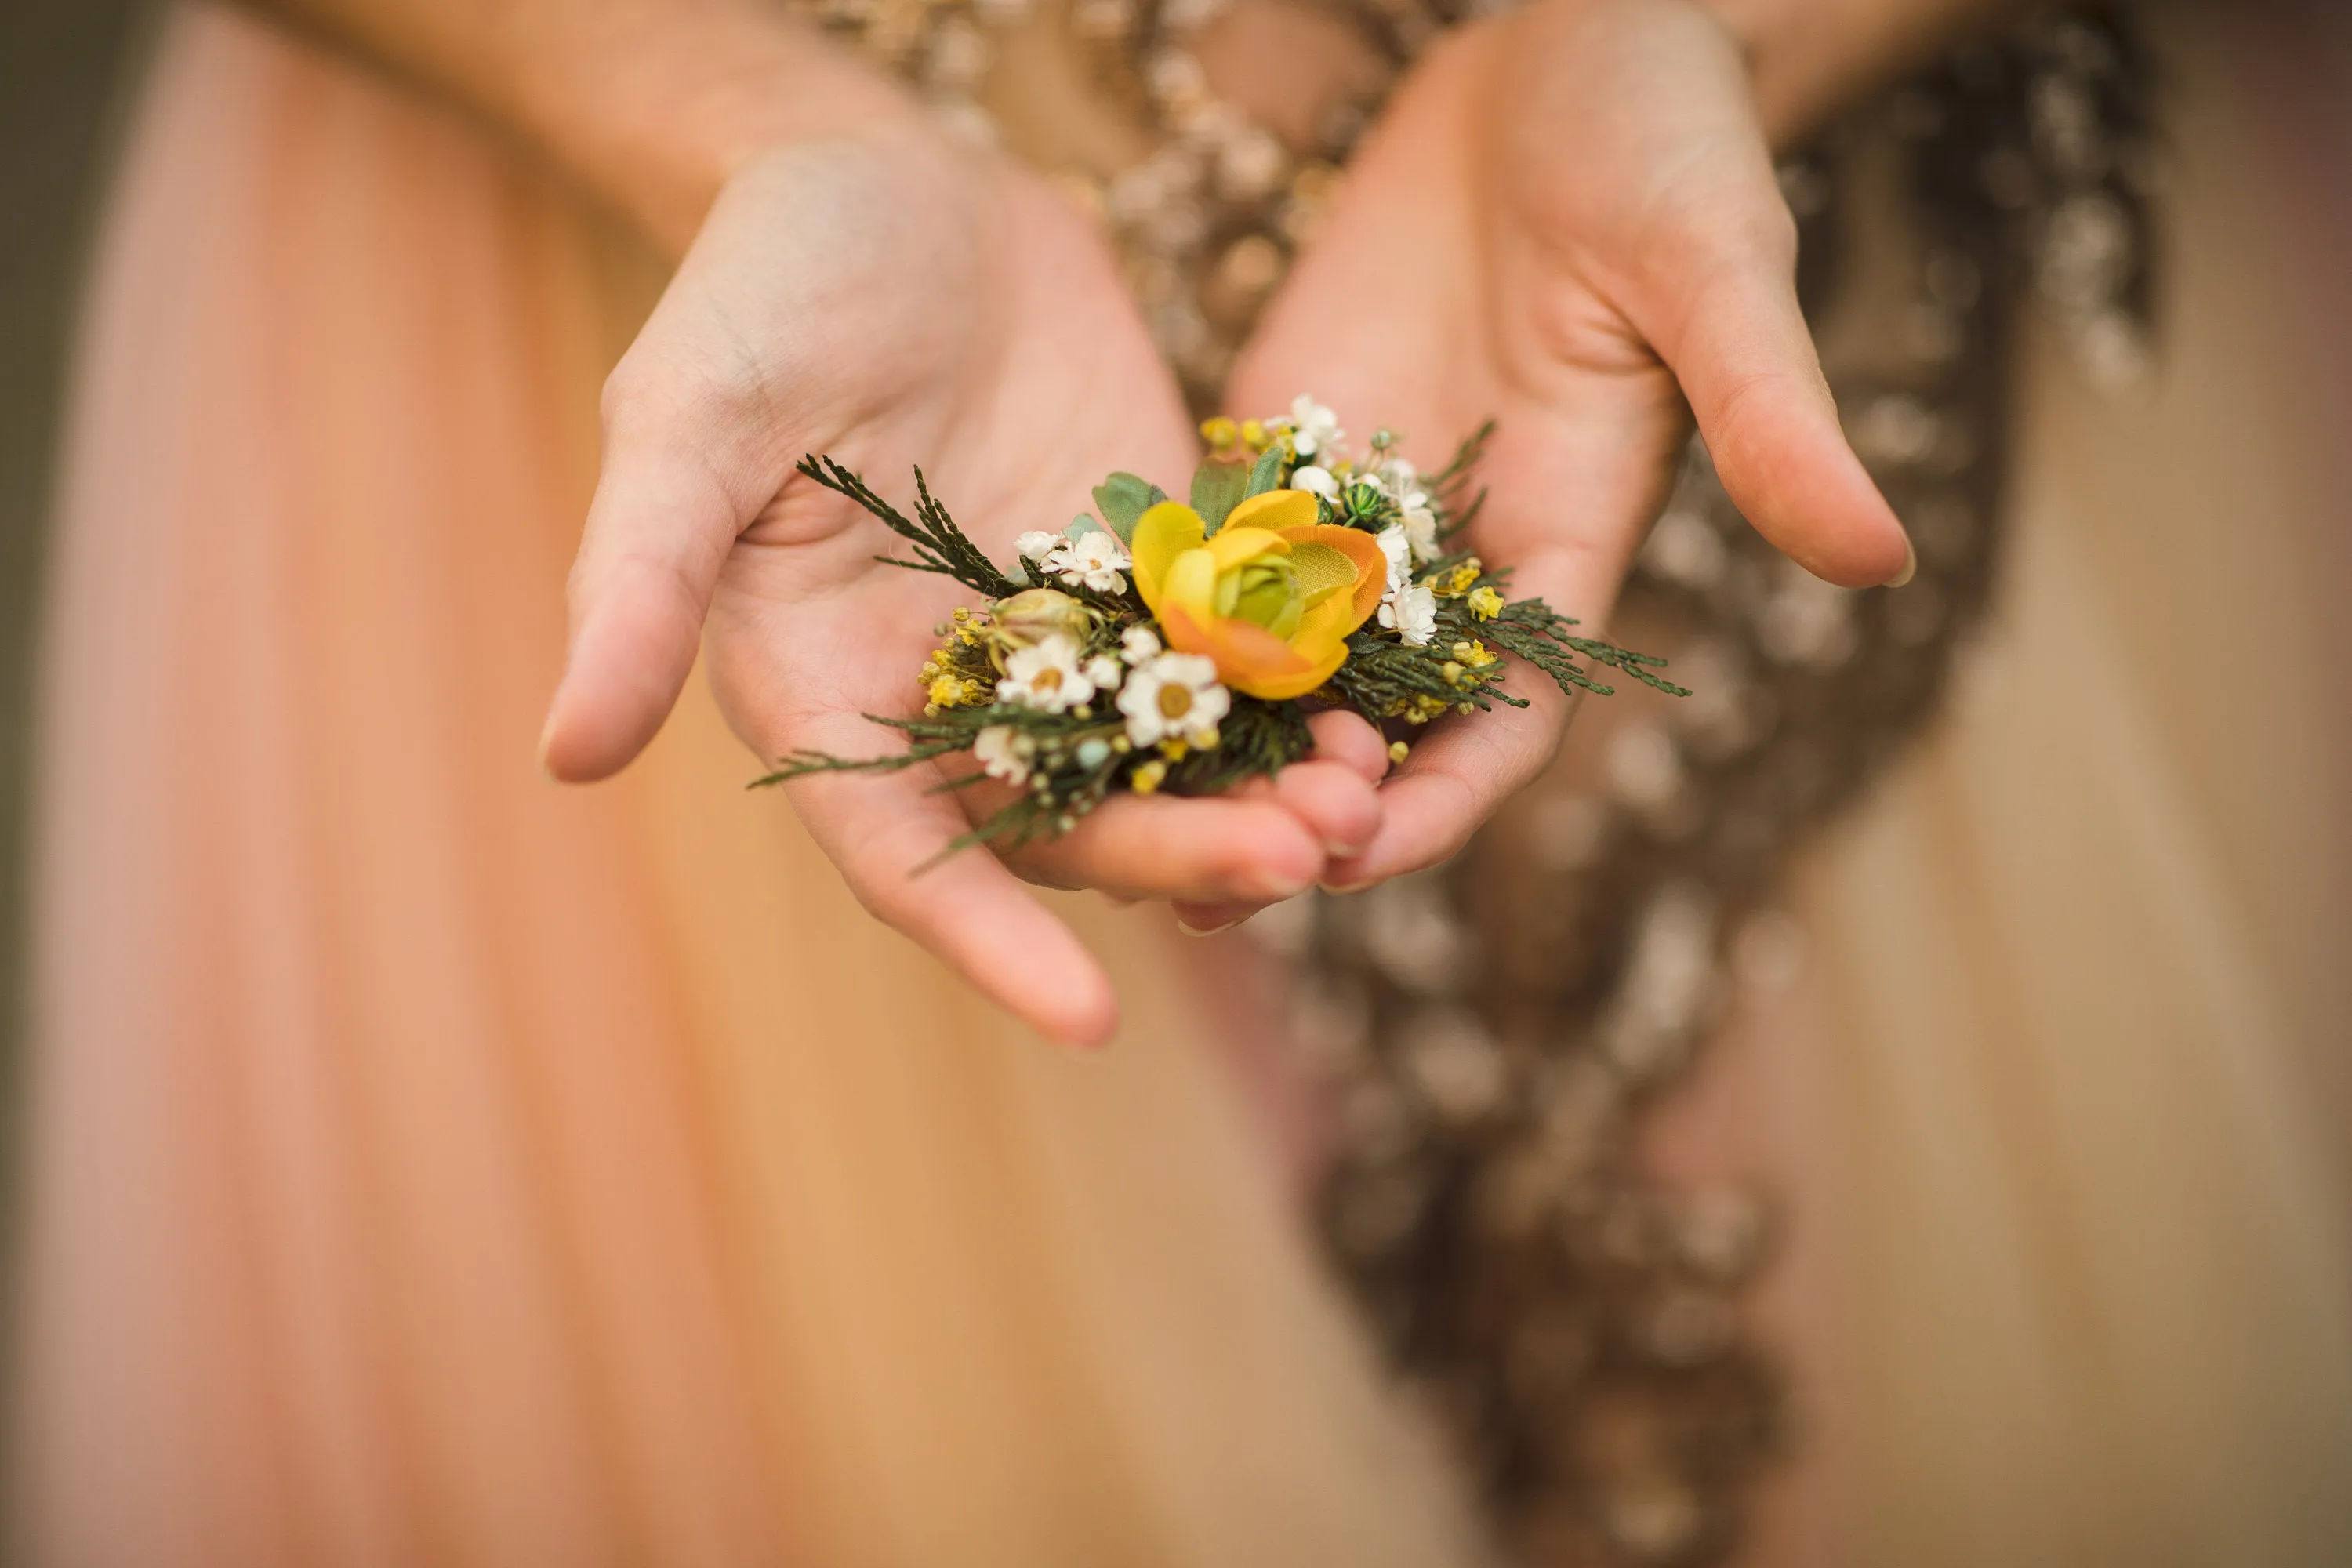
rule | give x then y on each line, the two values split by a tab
1567	219
890	300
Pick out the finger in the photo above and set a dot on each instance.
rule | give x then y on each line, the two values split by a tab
1452	781
1736	341
1351	740
1208	919
1458	772
658	530
1162	846
886	834
1335	804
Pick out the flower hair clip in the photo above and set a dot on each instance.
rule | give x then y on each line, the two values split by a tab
1159	644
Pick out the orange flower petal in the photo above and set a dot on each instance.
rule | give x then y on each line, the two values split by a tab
1162	533
1248	658
1231	546
1276	512
1190	581
1372	566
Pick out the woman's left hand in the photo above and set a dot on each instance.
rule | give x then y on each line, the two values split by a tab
1568	220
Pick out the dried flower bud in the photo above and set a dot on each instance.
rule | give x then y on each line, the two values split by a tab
1031	617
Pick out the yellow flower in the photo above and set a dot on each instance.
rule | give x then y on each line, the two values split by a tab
1271	598
1147	777
1219	433
1485	603
947	690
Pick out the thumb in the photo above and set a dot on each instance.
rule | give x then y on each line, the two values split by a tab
660	526
1747	363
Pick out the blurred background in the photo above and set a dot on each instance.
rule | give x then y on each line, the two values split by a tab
64	72
2057	1093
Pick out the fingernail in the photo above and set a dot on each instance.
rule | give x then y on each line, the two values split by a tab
1339	851
1357	886
1190	930
1910	565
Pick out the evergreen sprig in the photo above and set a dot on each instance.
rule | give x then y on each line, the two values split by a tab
940	545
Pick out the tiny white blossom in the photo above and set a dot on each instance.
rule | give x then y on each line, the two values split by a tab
1421	532
1396	546
1095	558
1138	643
1104	672
1411	614
1174	698
1045	675
1002	754
1318	480
1036	544
1315	428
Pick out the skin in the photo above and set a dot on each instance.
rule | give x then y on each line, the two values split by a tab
852	283
1595	303
860	286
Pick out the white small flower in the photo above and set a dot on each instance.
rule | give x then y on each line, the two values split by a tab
1138	645
1045	675
1036	544
1003	754
1174	698
1402	480
1411	614
1104	672
1095	558
1315	428
1421	532
1318	480
1396	545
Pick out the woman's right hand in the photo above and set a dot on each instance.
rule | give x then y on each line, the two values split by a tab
888	299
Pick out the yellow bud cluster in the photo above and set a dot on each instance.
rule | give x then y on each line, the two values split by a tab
1457	582
1146	778
1418	709
1229	440
1485	603
1474	654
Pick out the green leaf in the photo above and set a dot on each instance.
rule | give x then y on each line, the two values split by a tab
1217	489
1267	475
1123	498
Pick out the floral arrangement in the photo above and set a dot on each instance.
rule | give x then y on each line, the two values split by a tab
1179	646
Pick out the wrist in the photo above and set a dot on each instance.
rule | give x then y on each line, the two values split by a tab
1808	58
655	111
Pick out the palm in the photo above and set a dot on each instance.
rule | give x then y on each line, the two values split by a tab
1567	221
886	303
